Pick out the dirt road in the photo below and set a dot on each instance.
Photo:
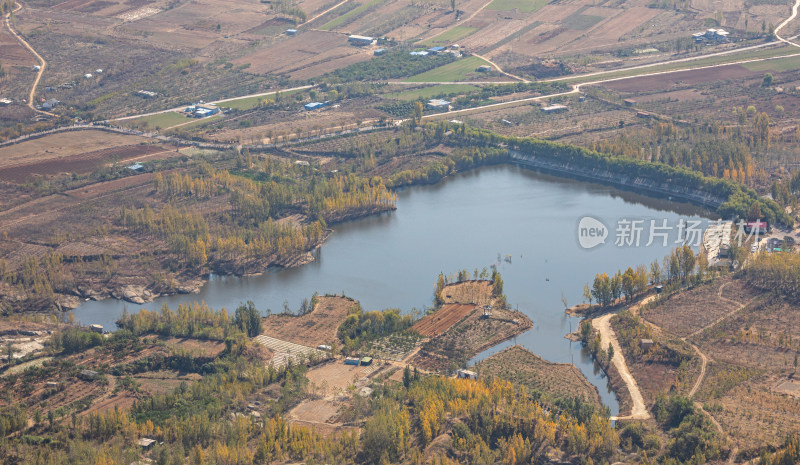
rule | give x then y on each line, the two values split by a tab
42	62
607	336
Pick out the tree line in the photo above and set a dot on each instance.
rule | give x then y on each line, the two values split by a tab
680	267
737	198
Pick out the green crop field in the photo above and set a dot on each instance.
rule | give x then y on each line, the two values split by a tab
778	65
451	36
524	6
455	71
429	92
350	14
248	103
197	123
710	61
581	22
163	120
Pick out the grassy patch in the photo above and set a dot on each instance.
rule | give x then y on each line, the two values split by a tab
199	122
349	16
248	103
777	66
712	61
581	22
451	35
456	71
524	6
162	120
429	92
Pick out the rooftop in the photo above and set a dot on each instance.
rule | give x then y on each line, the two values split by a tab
554	107
146	442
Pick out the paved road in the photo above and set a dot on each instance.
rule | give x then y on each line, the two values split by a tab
785	22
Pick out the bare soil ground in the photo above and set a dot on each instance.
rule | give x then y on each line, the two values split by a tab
64	145
764	335
443	319
688	312
335	377
748	387
755	415
559	380
469	337
196	347
694	77
83	163
307	49
312	329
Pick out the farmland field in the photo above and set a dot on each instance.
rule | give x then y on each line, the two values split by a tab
443	319
555	380
524	6
451	35
457	71
63	145
428	92
352	14
776	66
162	120
581	22
691	311
80	164
314	328
249	103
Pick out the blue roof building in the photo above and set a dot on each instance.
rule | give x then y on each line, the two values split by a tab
436	49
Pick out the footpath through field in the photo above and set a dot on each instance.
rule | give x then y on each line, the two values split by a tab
42	62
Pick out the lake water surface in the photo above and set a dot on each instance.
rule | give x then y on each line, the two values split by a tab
524	222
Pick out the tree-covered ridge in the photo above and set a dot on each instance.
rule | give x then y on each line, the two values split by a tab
739	201
257	196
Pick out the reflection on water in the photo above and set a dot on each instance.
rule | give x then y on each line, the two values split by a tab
472	220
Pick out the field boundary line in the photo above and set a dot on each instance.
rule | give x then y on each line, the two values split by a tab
325	12
740	307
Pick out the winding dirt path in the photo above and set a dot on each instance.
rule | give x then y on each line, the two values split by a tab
739	307
638	410
42	61
512	76
703	370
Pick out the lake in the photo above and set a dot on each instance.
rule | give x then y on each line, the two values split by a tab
523	222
